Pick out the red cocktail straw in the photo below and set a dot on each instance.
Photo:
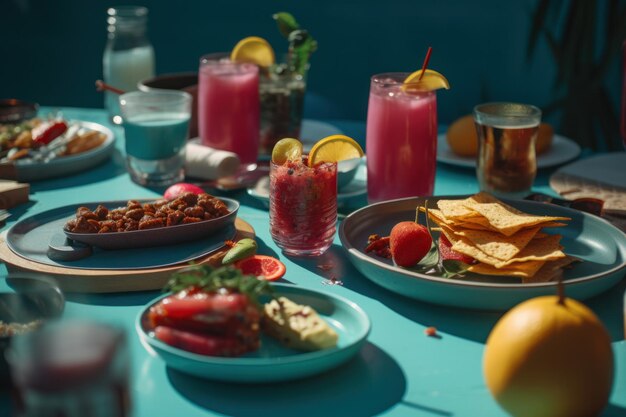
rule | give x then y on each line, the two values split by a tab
430	49
102	86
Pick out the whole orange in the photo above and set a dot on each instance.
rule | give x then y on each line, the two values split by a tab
545	359
462	137
544	138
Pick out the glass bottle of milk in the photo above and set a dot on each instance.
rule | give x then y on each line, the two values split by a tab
128	56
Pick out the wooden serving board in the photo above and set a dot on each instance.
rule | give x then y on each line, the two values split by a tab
109	281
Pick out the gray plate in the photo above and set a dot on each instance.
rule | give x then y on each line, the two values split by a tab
29	238
27	170
600	245
161	236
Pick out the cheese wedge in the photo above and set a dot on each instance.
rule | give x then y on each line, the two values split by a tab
297	326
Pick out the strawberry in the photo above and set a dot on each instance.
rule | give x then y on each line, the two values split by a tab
446	251
409	243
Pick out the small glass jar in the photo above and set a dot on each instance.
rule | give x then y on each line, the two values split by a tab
128	56
507	163
71	369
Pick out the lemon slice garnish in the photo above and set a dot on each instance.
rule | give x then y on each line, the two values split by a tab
432	80
255	50
287	149
334	148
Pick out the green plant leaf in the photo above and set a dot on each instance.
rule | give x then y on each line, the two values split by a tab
453	268
286	23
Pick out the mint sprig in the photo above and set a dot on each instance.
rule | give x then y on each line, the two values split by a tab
301	43
211	279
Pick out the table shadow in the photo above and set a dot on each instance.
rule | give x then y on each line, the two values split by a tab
613	410
371	383
469	324
110	168
138	298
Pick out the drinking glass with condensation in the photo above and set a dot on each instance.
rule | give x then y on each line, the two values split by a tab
156	128
507	164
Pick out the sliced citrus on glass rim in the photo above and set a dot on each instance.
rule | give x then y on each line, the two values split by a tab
431	80
254	50
287	149
334	148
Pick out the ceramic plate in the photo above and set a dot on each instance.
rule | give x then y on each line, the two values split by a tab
30	238
561	151
33	171
272	362
355	188
161	236
313	130
601	246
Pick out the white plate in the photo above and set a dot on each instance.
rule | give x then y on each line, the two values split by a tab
561	151
356	187
65	165
312	131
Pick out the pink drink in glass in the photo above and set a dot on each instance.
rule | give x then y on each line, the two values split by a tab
228	107
401	140
303	207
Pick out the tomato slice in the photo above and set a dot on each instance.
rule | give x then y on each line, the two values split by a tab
262	266
446	251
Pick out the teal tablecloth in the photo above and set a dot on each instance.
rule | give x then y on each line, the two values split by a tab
400	372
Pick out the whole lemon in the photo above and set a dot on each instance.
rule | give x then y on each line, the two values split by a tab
546	359
462	137
544	138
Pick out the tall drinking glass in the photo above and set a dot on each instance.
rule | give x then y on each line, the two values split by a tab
156	128
228	107
303	207
282	106
507	132
401	140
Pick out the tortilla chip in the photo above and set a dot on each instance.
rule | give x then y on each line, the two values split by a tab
537	250
497	245
550	271
525	269
456	209
506	219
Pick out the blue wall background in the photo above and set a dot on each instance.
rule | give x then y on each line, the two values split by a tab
51	51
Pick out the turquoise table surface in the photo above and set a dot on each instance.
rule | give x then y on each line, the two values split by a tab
399	372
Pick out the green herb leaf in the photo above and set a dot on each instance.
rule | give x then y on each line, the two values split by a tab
453	268
286	23
210	280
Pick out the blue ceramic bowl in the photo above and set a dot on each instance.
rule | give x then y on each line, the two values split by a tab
600	245
272	362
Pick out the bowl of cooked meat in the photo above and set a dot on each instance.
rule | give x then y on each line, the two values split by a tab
136	224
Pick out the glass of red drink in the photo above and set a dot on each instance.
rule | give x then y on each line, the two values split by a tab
401	139
228	106
303	207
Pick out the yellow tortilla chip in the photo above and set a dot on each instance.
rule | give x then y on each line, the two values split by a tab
497	245
455	209
537	250
506	219
525	269
550	271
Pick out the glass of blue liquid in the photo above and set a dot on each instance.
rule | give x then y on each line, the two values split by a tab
156	128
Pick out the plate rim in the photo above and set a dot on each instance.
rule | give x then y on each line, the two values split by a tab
259	362
109	142
469	162
469	284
